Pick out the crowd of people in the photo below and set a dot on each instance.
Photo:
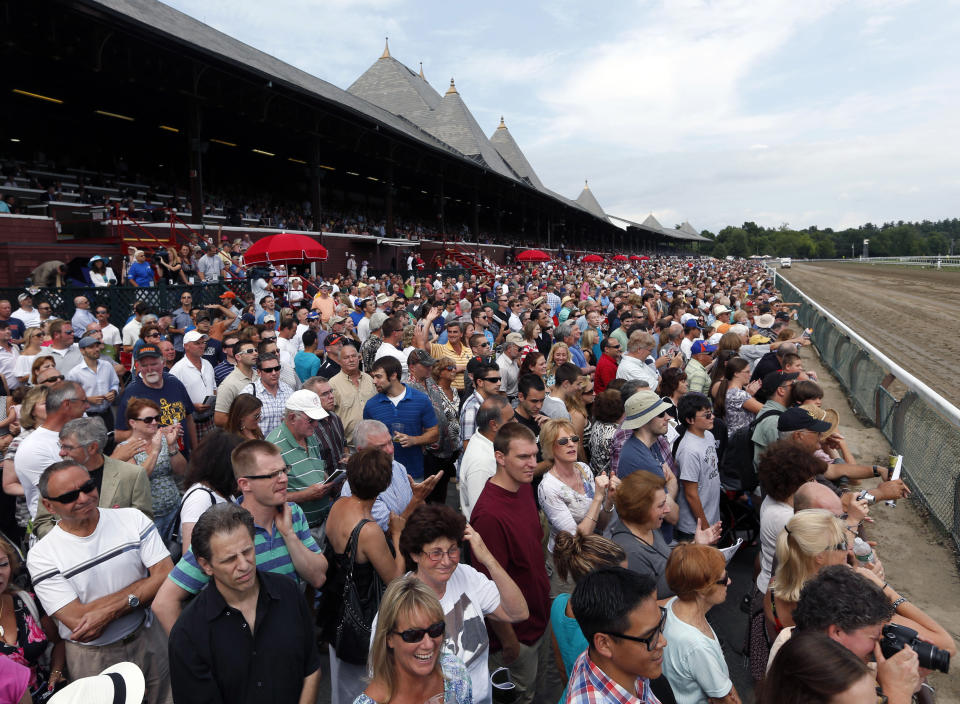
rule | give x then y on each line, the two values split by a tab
460	489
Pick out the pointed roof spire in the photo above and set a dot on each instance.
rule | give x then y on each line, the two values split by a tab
452	88
421	71
502	125
586	185
386	49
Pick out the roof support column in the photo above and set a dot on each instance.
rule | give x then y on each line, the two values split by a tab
441	206
315	187
475	219
388	199
197	148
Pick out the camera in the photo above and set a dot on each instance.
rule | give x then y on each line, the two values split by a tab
161	255
931	657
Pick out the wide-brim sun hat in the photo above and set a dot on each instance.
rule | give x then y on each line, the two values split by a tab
121	683
643	407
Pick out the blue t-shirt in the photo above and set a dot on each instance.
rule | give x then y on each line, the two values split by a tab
172	397
415	412
306	364
142	274
577	356
570	638
17	328
634	456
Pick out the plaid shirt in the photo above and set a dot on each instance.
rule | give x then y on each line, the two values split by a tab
590	685
468	416
271	415
330	435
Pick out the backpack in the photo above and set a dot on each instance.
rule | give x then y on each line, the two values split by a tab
736	464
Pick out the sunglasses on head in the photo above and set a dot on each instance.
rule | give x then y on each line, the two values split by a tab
69	497
415	635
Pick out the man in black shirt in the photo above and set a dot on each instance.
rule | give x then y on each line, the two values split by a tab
248	636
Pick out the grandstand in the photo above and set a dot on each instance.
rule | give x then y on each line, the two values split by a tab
129	107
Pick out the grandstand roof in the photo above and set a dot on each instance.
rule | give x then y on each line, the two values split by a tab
589	202
454	124
394	87
689	229
507	147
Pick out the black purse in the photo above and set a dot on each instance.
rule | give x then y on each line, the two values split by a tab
352	637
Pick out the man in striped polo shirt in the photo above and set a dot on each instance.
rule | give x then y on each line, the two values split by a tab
282	542
298	443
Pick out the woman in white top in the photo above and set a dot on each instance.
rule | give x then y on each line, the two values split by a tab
32	344
101	275
430	543
209	479
693	661
571	497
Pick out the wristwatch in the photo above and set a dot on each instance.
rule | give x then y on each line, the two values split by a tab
132	601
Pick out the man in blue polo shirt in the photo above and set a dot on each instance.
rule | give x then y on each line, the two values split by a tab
282	539
408	414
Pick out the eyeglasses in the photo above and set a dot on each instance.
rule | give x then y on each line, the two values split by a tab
842	547
312	421
69	497
724	580
651	640
491	379
415	635
272	475
708	415
149	420
451	367
247	352
269	370
52	379
153	334
437	554
484	344
572	438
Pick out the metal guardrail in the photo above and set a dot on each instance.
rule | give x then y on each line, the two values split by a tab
922	425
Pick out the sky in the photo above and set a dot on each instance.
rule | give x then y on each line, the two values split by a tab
831	113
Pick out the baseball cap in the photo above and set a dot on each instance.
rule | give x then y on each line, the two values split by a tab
23	296
269	318
514	338
701	347
421	357
194	336
334	339
148	351
692	323
228	294
337	319
88	341
798	419
306	401
313	315
773	380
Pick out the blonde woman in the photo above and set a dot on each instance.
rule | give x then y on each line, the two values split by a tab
407	659
559	354
32	344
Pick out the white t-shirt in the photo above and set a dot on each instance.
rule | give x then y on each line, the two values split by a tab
111	335
196	500
40	450
119	552
199	383
131	332
388	350
697	460
692	662
774	515
470	596
23	364
30	319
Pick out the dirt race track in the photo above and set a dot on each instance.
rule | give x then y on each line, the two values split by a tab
907	312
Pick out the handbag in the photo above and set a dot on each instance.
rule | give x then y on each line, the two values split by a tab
352	638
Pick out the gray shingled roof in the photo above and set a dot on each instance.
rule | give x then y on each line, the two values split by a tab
508	148
454	124
691	230
394	87
589	202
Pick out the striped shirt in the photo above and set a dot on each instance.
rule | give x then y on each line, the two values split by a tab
306	469
271	552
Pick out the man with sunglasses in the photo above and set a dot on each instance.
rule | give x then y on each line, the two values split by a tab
119	483
245	355
215	652
96	574
271	391
66	400
618	614
62	348
486	383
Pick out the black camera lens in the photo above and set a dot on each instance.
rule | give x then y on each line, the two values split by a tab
930	656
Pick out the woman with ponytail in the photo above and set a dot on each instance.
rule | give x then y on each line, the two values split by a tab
733	400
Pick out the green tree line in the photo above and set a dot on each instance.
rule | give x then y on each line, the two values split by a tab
891	239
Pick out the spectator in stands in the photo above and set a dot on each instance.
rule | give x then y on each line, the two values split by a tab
26	313
352	388
478	463
222	370
210	265
453	348
209	480
306	361
82	316
66	400
633	365
131	331
109	333
505	516
775	393
219	660
329	430
182	320
391	335
98	378
102	608
246	356
271	391
411	419
9	354
63	349
140	273
49	274
486	383
607	366
188	265
283	543
164	390
618	615
696	456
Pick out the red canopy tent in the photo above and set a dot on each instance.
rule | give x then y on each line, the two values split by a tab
620	258
636	258
592	259
533	255
644	258
285	248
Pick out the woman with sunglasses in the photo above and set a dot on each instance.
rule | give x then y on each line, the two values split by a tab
244	417
573	500
156	450
408	662
696	456
42	364
431	544
32	344
693	661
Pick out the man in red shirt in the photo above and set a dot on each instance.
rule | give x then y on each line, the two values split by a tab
506	517
607	365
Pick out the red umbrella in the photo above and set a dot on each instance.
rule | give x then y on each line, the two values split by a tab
533	255
592	259
635	258
644	258
620	258
283	248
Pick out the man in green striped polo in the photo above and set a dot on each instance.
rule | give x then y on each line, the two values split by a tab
298	445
